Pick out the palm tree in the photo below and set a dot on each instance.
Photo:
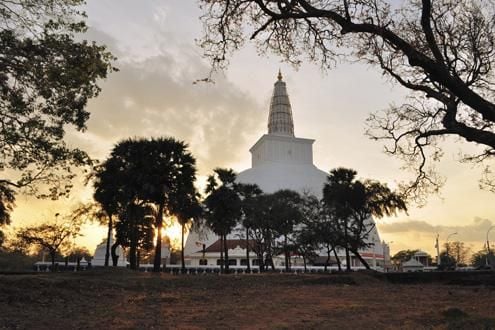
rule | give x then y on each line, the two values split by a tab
187	210
248	194
154	171
353	203
135	230
222	208
106	195
285	214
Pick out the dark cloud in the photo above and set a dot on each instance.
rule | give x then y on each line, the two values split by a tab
156	97
474	231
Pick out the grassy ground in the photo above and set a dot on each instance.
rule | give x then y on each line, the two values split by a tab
126	300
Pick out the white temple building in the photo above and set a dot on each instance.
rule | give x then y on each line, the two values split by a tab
280	160
100	251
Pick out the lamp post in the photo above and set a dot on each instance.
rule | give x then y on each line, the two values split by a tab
488	251
447	243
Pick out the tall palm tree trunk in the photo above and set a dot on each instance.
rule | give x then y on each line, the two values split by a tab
347	255
286	252
158	248
226	254
221	254
109	238
133	256
248	269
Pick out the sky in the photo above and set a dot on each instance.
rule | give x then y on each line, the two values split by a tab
153	94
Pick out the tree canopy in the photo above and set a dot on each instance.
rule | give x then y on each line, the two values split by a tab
47	76
443	52
352	203
53	236
223	207
158	171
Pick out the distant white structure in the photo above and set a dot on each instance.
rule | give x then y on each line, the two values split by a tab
412	265
280	161
100	251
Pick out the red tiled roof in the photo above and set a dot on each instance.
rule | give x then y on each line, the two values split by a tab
231	244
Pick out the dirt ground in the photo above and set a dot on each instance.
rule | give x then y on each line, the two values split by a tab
127	300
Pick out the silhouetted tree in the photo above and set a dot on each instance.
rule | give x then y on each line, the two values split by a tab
135	230
480	259
353	203
54	236
321	227
77	253
260	229
441	51
306	234
458	251
7	199
447	261
47	75
107	184
187	210
285	213
158	171
222	207
248	194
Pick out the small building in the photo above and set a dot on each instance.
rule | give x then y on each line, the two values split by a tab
423	258
412	265
99	255
210	255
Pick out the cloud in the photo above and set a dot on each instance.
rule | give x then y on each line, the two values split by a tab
474	231
156	96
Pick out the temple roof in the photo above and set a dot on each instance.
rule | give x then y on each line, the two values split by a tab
280	120
231	244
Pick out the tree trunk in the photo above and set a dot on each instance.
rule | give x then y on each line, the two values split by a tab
109	238
221	254
182	249
347	255
339	264
261	265
132	256
286	252
52	257
328	258
269	258
248	269
364	262
304	262
226	254
115	257
158	248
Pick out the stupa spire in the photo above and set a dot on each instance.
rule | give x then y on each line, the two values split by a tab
280	120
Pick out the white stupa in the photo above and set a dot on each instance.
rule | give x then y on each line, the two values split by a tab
279	159
282	161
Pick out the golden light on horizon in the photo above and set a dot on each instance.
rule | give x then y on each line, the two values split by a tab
172	230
